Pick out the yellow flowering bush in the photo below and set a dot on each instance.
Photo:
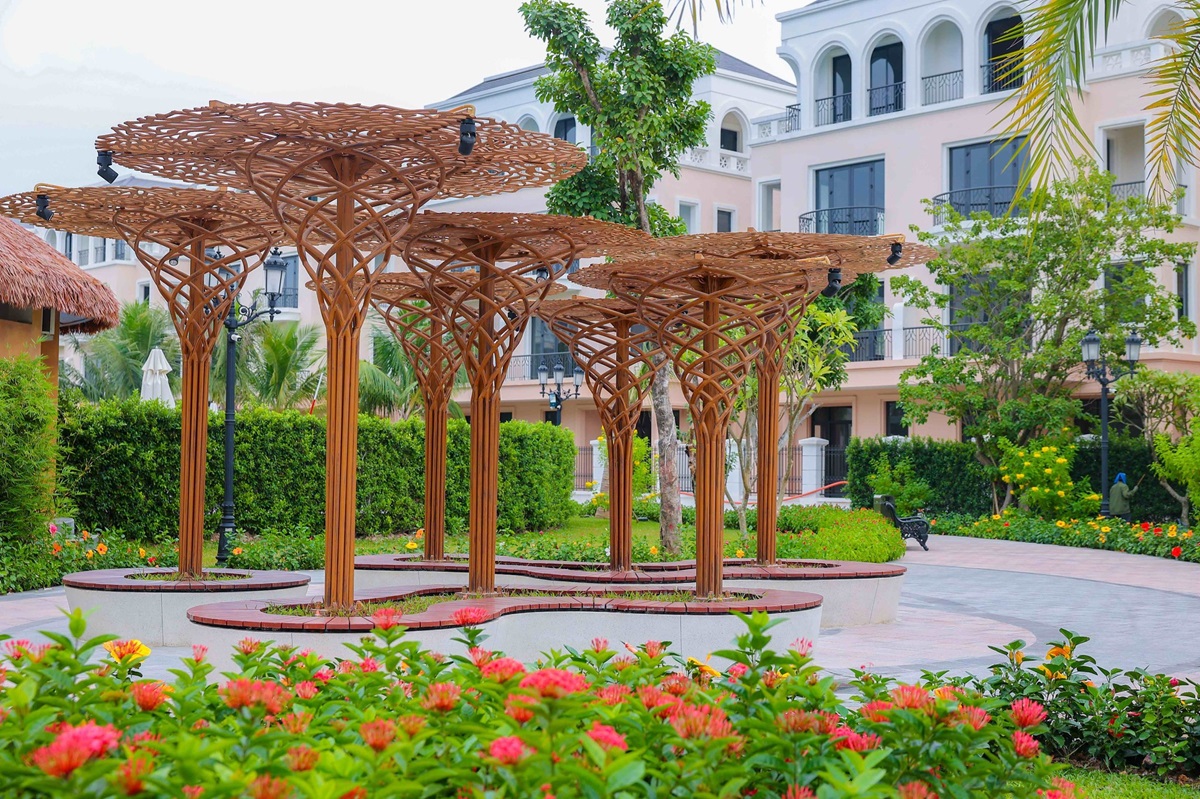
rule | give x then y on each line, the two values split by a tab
1039	476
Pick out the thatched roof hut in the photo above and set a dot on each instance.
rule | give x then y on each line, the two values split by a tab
35	275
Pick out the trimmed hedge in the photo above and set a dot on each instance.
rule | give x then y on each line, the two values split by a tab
26	449
961	483
124	459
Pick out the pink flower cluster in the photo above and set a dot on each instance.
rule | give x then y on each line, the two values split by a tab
75	746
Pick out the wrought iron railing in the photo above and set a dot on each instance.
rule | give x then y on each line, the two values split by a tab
856	220
791	119
120	250
995	200
942	88
683	466
830	110
835	470
583	468
98	253
920	341
525	367
1127	191
885	99
84	252
870	345
289	298
1000	75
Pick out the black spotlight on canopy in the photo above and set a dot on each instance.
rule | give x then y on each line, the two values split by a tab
43	208
466	136
897	251
541	274
835	283
104	161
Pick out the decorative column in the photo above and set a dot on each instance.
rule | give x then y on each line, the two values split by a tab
812	464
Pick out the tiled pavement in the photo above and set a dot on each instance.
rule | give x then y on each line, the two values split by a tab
958	598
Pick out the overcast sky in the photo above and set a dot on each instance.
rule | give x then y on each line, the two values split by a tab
70	69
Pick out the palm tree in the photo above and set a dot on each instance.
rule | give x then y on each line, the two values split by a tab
387	384
112	359
694	9
282	367
1061	38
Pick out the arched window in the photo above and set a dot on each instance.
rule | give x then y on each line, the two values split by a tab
1002	43
528	123
1164	23
565	129
887	77
733	138
942	64
833	87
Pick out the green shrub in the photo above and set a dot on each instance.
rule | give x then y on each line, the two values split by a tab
124	471
901	483
958	482
392	718
287	549
26	449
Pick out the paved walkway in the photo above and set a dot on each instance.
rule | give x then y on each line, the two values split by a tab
959	598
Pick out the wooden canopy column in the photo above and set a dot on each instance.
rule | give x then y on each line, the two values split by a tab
404	303
487	274
343	181
710	315
199	246
606	337
849	254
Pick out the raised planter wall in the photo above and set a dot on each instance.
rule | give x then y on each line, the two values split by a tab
155	611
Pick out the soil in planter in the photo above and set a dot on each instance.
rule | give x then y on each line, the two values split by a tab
420	602
172	577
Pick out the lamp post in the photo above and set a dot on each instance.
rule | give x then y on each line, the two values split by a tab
557	394
275	268
1096	364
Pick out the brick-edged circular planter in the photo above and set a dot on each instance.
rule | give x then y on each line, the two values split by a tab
522	626
124	603
855	593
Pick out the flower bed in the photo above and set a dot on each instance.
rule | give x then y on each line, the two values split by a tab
854	593
1117	535
129	603
526	622
394	719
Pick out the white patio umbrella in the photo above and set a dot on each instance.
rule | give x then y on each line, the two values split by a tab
155	385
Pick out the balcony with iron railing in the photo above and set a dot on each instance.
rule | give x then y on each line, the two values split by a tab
98	255
885	99
942	88
831	110
791	119
1001	75
994	200
524	368
854	220
870	345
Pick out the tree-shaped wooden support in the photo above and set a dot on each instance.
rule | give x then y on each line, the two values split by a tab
343	180
199	246
850	255
712	317
606	337
487	274
404	302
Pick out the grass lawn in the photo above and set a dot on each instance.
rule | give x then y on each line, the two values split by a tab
1103	785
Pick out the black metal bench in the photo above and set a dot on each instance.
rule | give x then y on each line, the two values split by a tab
914	527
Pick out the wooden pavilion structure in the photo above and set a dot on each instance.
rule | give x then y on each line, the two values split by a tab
344	181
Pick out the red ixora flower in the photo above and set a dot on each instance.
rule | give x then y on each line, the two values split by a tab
199	651
975	717
441	696
502	669
306	689
807	721
607	737
378	734
798	792
268	787
916	790
130	776
148	695
599	644
75	746
296	723
1027	713
1063	789
1025	744
242	692
911	697
705	721
519	708
386	618
411	724
1176	551
737	671
802	647
479	656
614	694
555	682
875	711
846	738
465	617
248	645
509	750
301	758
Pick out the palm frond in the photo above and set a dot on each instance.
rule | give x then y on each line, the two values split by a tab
1059	39
1174	130
694	10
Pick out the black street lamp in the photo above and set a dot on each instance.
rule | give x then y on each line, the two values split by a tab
1096	363
558	394
275	268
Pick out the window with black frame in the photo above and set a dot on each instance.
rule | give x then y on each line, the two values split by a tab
893	417
984	176
546	350
849	200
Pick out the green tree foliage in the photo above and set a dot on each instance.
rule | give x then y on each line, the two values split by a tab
902	483
112	359
26	449
387	384
1180	463
283	365
1168	406
1022	294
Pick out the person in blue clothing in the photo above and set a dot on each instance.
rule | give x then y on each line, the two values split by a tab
1118	498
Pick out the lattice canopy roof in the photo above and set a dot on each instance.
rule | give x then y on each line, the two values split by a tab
518	236
860	254
214	145
683	274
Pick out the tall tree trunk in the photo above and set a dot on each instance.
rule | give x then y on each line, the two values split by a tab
670	514
1182	498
